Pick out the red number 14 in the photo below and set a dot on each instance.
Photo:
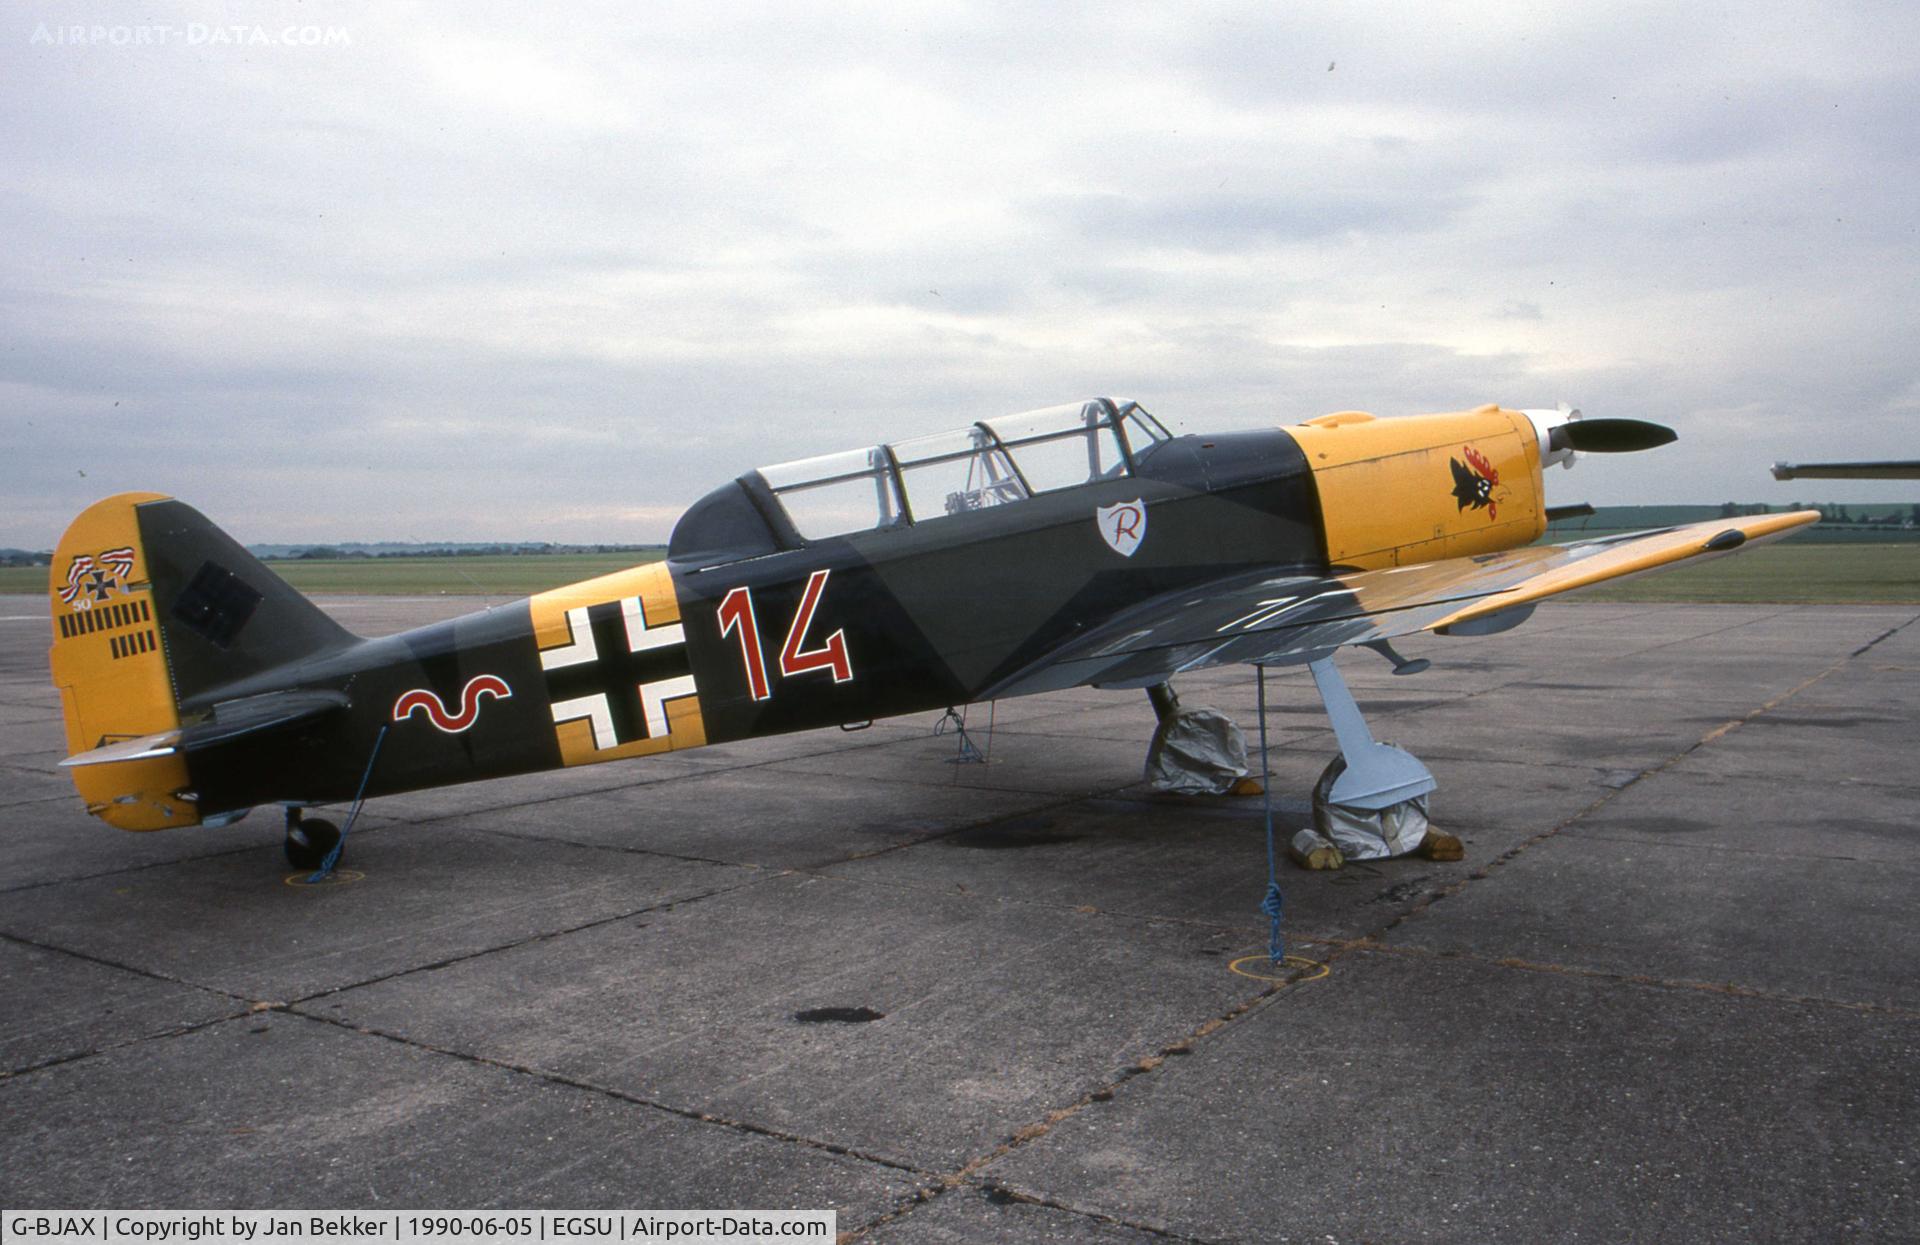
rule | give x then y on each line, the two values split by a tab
737	618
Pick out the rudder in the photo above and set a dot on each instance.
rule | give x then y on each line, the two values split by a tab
155	612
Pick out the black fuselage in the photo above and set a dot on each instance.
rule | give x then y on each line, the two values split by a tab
929	614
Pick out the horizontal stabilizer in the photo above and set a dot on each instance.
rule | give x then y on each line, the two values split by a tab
236	719
166	743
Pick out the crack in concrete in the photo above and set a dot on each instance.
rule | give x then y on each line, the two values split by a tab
258	1005
619	1095
1518	849
160	1035
1345	948
152	974
659	905
1685	985
522	836
968	1174
1717	733
1027	1134
149	974
125	869
1684	845
999	1192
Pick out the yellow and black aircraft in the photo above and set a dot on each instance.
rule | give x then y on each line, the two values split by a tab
1081	544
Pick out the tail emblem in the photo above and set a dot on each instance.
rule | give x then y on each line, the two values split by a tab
452	723
93	578
1473	482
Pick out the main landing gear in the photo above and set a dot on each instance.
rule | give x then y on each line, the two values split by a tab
1195	751
309	840
1371	801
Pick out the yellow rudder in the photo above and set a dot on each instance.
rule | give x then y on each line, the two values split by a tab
110	665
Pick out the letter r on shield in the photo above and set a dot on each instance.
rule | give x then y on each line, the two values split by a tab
1123	525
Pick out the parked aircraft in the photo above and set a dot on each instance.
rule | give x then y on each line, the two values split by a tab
1077	545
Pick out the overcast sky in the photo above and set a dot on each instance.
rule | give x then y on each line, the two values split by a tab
510	271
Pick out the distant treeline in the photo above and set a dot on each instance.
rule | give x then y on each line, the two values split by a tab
1838	522
339	553
383	549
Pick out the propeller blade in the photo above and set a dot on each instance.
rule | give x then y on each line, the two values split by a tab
1609	436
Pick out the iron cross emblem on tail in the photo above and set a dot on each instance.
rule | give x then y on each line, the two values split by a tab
92	579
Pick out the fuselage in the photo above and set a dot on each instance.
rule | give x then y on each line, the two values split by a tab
782	605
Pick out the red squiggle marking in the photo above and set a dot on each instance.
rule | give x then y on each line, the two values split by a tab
452	724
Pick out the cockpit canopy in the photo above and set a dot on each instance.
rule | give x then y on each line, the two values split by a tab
992	463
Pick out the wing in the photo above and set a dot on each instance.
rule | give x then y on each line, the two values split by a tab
1908	470
1283	618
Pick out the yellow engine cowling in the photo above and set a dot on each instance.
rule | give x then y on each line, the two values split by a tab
1396	492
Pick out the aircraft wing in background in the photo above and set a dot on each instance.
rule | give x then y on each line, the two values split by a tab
1892	469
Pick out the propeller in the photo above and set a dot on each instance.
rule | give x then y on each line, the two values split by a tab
1608	436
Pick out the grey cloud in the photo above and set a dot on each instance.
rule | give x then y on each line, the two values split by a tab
1224	222
507	273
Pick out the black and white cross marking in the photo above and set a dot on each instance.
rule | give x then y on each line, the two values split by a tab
617	672
98	584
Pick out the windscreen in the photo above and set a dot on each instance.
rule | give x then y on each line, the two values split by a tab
993	463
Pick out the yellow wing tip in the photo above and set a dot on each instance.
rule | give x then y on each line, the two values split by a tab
1649	552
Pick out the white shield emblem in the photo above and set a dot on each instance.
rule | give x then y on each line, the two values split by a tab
1123	525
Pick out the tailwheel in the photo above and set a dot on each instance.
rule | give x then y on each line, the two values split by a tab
309	840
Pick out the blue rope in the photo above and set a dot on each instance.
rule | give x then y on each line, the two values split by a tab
353	814
1274	904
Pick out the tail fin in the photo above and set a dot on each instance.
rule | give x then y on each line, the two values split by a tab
155	610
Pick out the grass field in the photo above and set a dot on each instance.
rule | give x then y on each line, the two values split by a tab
1790	572
1787	572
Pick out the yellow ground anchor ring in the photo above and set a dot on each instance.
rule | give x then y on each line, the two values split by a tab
339	877
1314	969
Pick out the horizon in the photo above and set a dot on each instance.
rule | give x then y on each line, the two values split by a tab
615	546
491	273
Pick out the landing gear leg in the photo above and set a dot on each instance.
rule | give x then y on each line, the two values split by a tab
309	840
1371	802
1195	751
1377	775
